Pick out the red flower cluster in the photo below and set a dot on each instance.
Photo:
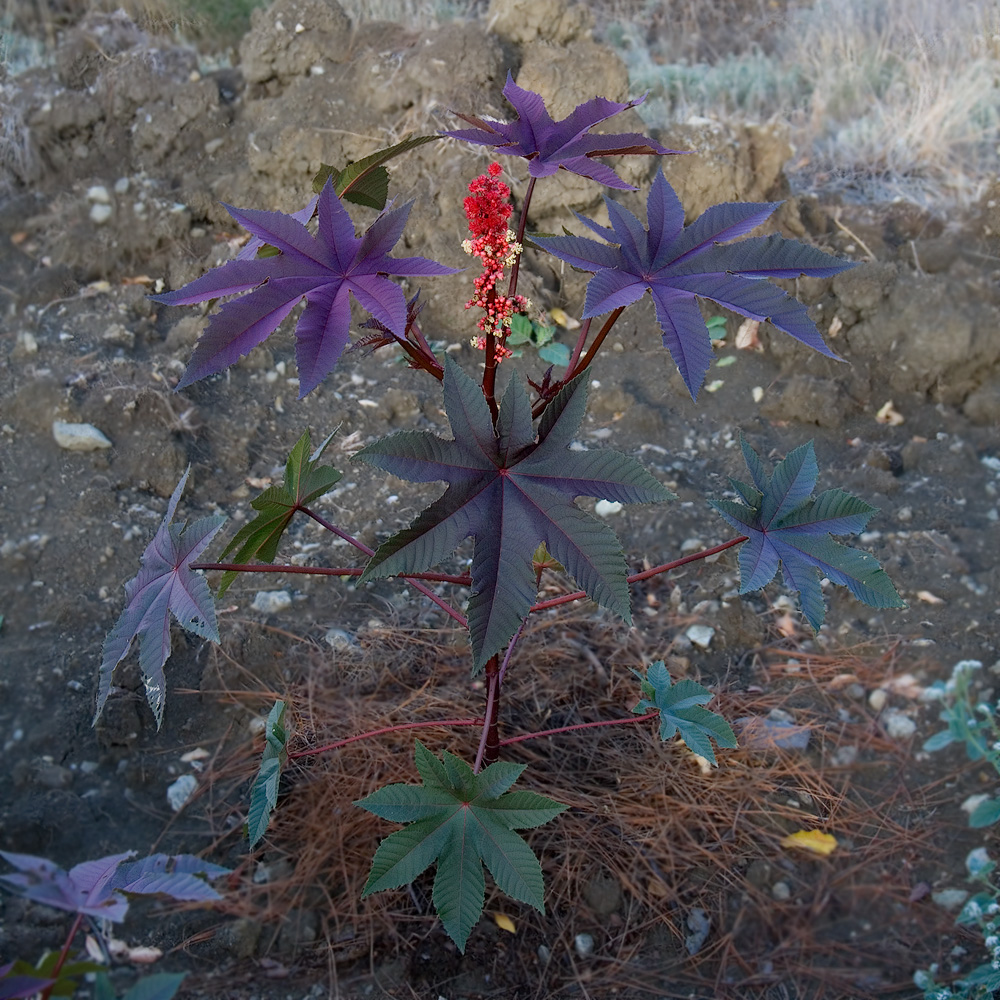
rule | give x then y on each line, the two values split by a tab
488	212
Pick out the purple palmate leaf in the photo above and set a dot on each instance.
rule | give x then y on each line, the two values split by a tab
789	527
511	492
20	986
325	270
679	264
568	143
94	888
165	584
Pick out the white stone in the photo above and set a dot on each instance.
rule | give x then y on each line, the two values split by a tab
272	602
781	891
607	508
950	899
99	214
898	725
78	437
180	791
98	194
584	945
122	185
701	635
877	699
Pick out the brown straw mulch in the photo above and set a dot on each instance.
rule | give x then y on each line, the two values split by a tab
653	840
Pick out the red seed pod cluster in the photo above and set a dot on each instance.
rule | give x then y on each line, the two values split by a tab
488	211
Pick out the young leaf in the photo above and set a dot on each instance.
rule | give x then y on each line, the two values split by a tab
510	493
678	264
460	820
787	525
304	482
568	144
164	585
366	181
325	269
264	793
680	708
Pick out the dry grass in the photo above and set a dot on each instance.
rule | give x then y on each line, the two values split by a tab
883	97
643	815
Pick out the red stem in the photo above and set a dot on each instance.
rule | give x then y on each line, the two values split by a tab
596	345
462	581
645	574
580	341
580	725
63	955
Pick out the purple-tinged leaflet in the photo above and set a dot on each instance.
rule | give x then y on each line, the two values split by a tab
548	145
678	264
325	269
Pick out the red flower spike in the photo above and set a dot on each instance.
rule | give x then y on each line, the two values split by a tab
488	212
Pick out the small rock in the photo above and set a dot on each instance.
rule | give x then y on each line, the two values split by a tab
53	776
877	699
78	437
701	635
272	602
781	891
26	343
340	640
844	756
240	937
898	725
99	214
607	508
699	924
950	899
180	791
98	194
119	335
584	945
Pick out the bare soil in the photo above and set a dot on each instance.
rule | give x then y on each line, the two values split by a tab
131	121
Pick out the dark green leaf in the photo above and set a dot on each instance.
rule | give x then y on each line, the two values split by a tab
460	820
680	708
510	492
264	793
304	482
788	526
366	181
159	986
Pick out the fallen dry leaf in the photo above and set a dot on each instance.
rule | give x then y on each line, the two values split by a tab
504	923
835	327
813	841
746	336
563	319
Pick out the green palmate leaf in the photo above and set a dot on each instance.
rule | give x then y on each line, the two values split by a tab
680	708
304	482
264	793
985	814
461	820
555	354
510	492
366	181
787	525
